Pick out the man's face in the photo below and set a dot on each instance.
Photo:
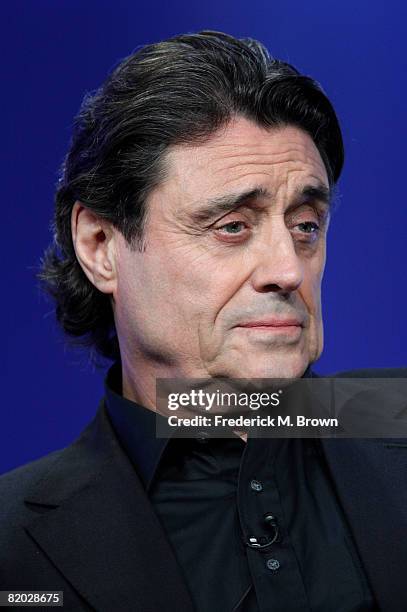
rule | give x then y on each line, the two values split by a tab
231	241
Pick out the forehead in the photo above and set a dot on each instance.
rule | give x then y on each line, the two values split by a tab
243	152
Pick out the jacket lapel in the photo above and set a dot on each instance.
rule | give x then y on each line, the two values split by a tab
100	529
370	477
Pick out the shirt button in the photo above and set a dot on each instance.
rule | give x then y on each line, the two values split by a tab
273	564
256	485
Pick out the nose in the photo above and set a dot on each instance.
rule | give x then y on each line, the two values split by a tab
278	266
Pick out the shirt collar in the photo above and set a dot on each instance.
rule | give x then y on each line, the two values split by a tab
135	425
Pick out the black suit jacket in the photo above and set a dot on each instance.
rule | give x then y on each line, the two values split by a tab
79	520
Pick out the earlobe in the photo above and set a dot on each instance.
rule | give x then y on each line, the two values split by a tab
93	240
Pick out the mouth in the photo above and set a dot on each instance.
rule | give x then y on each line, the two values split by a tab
272	324
289	329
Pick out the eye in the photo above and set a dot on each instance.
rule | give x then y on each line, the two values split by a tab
232	228
309	227
307	232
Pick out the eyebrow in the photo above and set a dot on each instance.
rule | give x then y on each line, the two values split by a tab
226	203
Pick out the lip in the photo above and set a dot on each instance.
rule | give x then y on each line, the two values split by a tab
272	323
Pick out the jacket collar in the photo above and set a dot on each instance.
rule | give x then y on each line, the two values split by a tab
135	426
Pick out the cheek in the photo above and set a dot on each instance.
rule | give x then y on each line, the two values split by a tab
199	280
311	294
311	287
313	302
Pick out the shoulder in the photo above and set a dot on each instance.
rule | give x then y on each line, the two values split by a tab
16	484
57	473
46	484
16	481
379	394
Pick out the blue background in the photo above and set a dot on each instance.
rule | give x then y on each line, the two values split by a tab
55	51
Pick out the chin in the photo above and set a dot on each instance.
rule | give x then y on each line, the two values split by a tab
279	371
279	367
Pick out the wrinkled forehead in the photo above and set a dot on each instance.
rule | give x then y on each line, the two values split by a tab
243	151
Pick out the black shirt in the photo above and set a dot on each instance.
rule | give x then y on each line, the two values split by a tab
254	526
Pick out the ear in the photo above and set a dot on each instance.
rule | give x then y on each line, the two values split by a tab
94	243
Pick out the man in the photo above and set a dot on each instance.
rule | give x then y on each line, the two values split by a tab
190	242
